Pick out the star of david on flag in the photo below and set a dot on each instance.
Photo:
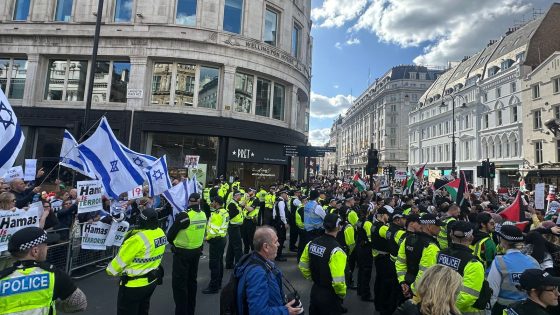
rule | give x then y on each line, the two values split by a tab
11	136
72	158
141	161
109	161
158	177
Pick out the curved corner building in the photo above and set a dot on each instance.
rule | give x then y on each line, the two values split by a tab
228	80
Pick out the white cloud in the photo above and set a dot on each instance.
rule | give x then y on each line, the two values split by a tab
329	107
450	30
319	137
353	41
338	45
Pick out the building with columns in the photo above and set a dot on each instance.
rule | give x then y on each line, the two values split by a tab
379	117
228	80
485	92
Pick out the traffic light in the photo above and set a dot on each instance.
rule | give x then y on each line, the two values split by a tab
482	170
373	162
391	171
491	170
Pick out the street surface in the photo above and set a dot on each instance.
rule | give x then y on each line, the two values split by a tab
101	290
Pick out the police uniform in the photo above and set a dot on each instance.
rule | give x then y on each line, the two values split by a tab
364	257
32	287
461	259
533	279
380	251
249	222
294	231
138	263
506	270
187	236
234	247
216	232
443	236
324	262
261	196
393	235
279	221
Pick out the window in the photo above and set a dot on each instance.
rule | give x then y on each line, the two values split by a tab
514	113
393	131
515	147
111	79
520	57
446	127
13	82
538	151
263	97
412	75
498	92
21	10
447	152
270	27
556	85
123	10
233	16
513	87
434	154
486	121
393	142
393	108
466	121
537	121
467	151
557	150
557	112
208	87
306	127
66	80
185	81
499	119
296	41
279	100
63	10
484	97
186	12
422	77
536	91
243	93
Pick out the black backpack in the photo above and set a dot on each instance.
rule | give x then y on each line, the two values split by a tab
228	295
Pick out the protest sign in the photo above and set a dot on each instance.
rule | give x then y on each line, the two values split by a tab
135	193
433	175
56	205
13	173
200	172
117	233
30	169
539	196
400	175
191	161
89	196
94	235
13	221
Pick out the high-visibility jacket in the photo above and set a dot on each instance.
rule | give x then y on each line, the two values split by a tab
442	237
485	250
299	217
206	195
269	200
237	219
324	262
346	238
393	236
193	236
217	224
379	243
262	195
352	217
140	253
461	259
430	249
253	214
27	290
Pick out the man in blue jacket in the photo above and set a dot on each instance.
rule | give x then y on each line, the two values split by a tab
259	291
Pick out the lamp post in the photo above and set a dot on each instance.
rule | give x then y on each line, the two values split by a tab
453	146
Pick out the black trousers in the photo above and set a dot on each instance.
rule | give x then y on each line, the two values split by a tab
385	294
267	216
234	250
324	301
247	232
350	266
365	267
216	261
134	301
183	280
294	231
281	232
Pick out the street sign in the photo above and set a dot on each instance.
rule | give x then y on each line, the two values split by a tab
307	151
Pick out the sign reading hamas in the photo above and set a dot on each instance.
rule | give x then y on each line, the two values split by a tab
116	233
13	221
89	196
94	235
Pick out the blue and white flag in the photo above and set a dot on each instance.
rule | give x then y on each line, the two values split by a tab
193	185
72	158
142	161
178	196
107	159
158	177
11	136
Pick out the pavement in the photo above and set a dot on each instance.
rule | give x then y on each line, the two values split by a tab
101	290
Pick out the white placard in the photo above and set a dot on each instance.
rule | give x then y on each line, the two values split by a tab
94	235
13	221
400	175
136	193
191	161
539	196
30	169
134	93
13	173
116	233
89	196
56	205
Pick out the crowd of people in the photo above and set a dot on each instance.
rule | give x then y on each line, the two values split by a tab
432	254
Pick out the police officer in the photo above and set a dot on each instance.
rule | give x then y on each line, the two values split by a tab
138	263
312	220
31	286
234	248
186	236
460	257
280	221
261	195
542	292
269	201
483	243
331	206
384	303
295	202
347	240
505	270
250	213
216	237
448	219
324	262
364	256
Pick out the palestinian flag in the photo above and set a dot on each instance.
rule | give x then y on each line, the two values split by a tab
358	182
457	188
513	212
439	183
409	187
420	173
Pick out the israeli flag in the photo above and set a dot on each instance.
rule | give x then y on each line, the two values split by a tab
193	185
72	158
142	161
107	159
158	177
178	196
11	136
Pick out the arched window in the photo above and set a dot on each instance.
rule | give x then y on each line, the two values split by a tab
499	148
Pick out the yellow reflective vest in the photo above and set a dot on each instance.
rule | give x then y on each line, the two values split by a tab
27	291
217	224
193	236
238	219
140	253
253	214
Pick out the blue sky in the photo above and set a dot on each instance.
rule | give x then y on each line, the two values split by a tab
354	37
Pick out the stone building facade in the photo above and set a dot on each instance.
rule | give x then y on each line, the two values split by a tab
177	77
